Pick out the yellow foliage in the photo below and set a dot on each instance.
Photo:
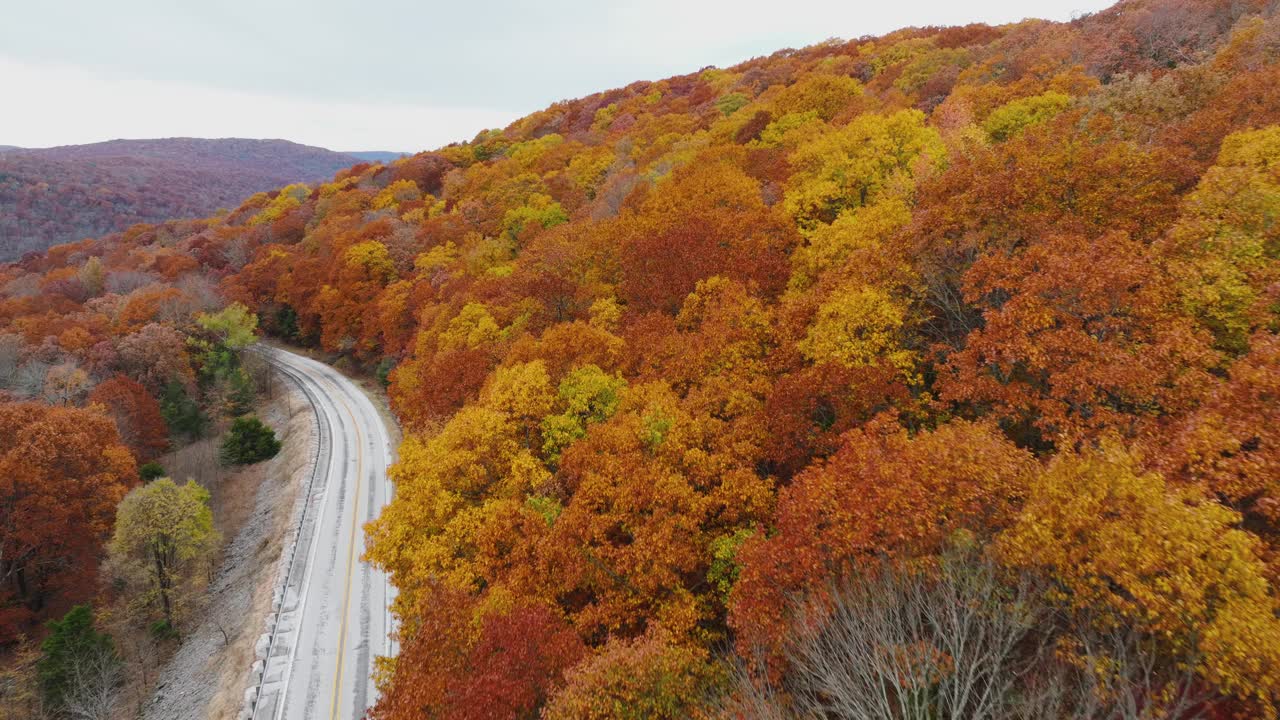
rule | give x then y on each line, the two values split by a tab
333	188
857	230
287	199
522	391
371	261
437	258
472	327
857	327
397	192
589	168
850	166
791	130
1119	540
605	314
1010	119
820	93
527	153
1223	249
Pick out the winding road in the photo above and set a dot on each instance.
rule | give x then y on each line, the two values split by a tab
332	618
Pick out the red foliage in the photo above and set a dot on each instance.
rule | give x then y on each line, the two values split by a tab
508	671
884	492
137	416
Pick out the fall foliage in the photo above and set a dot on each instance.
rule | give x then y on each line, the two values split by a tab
62	470
686	368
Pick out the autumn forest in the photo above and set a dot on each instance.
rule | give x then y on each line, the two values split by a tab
927	375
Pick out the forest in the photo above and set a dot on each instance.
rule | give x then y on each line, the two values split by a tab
927	375
56	195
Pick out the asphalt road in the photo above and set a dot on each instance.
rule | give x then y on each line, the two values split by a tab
333	616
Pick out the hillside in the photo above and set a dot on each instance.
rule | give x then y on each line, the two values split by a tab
56	195
759	392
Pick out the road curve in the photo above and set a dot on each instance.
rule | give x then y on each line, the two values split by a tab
332	618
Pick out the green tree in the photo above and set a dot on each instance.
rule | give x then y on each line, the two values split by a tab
234	326
180	412
164	532
150	471
73	646
587	395
241	392
248	442
1008	120
287	322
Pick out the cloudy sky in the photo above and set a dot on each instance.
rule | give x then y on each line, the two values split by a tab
393	74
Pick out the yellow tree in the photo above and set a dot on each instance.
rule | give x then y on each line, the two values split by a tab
1120	542
849	167
1224	247
460	488
164	532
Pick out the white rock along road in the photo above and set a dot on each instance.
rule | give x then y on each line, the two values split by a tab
330	618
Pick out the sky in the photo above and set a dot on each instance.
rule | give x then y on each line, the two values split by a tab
393	74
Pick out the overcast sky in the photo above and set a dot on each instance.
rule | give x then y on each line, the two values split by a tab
391	74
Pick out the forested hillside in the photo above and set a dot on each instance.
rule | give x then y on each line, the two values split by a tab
64	194
934	374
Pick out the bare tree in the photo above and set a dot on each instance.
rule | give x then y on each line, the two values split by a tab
10	357
916	644
28	381
123	282
95	684
962	639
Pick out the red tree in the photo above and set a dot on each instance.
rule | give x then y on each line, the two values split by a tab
137	416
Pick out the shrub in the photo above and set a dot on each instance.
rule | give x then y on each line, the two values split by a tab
150	471
248	442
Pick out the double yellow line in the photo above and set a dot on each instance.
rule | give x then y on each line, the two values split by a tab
351	551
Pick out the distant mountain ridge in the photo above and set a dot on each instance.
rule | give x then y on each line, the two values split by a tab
377	155
61	194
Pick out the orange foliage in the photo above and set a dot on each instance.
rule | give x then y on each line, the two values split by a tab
884	492
62	471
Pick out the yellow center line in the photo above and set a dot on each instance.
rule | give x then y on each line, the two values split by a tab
351	551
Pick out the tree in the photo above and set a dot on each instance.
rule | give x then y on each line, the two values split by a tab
65	384
180	412
155	356
884	493
1009	119
1224	247
79	670
248	441
960	637
234	326
151	471
164	533
849	167
62	472
860	327
501	664
706	219
1079	335
1223	447
652	677
588	395
137	415
21	696
1172	562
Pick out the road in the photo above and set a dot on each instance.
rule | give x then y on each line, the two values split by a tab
332	618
